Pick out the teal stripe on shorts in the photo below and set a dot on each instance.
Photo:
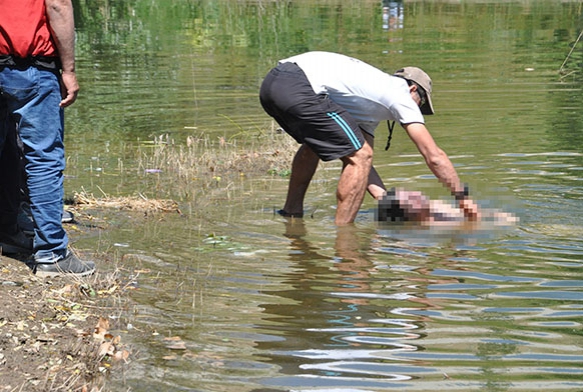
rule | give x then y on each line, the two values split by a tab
346	128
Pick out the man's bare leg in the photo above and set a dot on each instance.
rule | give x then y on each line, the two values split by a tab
376	187
304	166
353	183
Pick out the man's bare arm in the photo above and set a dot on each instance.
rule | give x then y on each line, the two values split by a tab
375	186
440	165
62	25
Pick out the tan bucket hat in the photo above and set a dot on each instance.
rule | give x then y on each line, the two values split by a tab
418	76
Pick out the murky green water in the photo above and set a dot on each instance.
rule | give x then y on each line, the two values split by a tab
263	304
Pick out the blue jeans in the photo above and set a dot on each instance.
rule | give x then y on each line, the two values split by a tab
29	107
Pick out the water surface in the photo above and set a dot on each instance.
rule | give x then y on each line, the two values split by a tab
262	303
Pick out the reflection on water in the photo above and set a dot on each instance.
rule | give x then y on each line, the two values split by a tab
278	304
379	325
262	303
340	304
285	304
393	15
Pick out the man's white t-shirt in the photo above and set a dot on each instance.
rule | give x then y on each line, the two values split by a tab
367	93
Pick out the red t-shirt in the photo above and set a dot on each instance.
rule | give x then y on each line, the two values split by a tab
24	29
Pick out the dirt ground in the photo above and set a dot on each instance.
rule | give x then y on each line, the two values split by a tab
56	333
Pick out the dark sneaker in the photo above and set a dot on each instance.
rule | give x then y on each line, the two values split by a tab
70	265
15	243
68	217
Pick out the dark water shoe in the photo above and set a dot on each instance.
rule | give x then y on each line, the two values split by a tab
289	214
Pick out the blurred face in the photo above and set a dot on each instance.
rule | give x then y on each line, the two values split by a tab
414	203
418	94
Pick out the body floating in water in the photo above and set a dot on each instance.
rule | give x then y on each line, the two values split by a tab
399	205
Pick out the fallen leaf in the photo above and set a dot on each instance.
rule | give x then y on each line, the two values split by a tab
121	355
106	348
101	328
103	323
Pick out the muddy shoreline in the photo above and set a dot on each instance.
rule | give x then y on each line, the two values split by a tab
58	334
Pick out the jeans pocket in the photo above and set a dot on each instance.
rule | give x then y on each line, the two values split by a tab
19	85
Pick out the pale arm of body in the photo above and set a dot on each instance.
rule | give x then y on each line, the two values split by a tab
441	166
62	25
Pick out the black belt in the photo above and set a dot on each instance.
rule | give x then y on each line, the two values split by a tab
48	63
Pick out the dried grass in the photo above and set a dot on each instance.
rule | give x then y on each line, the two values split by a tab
133	203
201	156
197	169
201	166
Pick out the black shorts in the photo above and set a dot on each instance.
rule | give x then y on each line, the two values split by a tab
310	118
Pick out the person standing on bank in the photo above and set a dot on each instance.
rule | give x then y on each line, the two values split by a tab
37	81
331	104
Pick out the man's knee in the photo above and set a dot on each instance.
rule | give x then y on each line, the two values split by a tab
362	156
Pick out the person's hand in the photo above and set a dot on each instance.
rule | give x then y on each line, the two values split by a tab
69	88
470	209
